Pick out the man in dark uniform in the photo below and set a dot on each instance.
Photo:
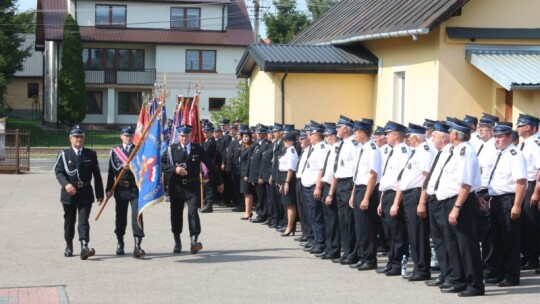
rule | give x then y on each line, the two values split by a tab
232	163
277	150
126	192
74	170
182	165
225	141
210	191
266	176
255	173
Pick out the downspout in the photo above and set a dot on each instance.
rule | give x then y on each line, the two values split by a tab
283	96
223	18
43	87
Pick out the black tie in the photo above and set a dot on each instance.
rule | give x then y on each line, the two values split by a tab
522	146
337	156
401	173
79	156
480	150
307	159
428	177
445	163
387	160
494	167
185	153
326	162
358	162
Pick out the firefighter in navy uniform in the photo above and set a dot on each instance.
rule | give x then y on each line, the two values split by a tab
126	193
182	166
74	169
210	146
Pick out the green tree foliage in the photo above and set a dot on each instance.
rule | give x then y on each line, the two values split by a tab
71	90
286	23
11	54
237	107
319	7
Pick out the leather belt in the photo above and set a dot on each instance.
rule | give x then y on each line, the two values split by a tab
185	181
80	184
360	186
344	179
411	190
125	184
502	196
389	191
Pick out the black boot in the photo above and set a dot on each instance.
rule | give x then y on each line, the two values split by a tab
120	245
69	250
85	251
138	252
195	245
177	244
207	209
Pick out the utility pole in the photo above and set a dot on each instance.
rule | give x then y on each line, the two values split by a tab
256	5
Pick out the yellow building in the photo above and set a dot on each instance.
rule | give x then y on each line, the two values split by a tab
433	59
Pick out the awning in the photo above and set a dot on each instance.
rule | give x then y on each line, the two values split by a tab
512	67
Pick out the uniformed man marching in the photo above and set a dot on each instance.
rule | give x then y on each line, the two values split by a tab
182	166
74	170
126	193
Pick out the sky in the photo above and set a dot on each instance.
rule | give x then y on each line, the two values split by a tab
266	4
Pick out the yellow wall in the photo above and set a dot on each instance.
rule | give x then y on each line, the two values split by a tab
498	14
261	97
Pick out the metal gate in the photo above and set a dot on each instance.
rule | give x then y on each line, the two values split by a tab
14	151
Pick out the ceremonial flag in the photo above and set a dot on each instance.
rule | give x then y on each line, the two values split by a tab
197	134
146	167
177	121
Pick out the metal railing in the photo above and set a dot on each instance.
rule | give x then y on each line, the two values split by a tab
114	76
14	151
60	138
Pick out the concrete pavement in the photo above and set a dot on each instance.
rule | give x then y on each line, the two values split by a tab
240	262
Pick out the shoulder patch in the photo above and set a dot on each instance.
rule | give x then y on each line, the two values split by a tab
403	149
322	146
293	151
478	136
373	146
354	142
462	152
426	147
513	152
537	141
385	150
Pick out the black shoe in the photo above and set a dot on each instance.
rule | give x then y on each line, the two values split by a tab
196	246
393	272
330	256
245	218
493	281
320	255
445	285
258	220
69	251
177	244
207	209
85	251
434	282
367	266
316	250
138	252
407	276
301	239
505	283
360	263
470	293
236	209
120	249
529	266
308	248
452	289
272	225
349	261
419	277
383	269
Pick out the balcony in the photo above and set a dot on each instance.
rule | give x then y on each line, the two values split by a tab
113	76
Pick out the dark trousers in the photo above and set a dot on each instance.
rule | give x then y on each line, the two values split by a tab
437	222
315	212
262	210
346	218
397	231
271	202
238	198
365	223
530	232
70	217
463	244
227	194
506	238
211	195
189	194
418	232
331	225
302	210
121	218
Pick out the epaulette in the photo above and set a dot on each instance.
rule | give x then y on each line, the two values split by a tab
292	150
403	149
322	146
478	136
537	141
513	152
426	147
462	152
354	142
385	150
373	146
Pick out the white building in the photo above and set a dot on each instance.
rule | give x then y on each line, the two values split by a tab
129	45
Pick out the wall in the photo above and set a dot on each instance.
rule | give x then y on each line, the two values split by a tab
262	97
17	97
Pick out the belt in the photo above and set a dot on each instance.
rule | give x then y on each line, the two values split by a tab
344	179
80	184
450	198
185	181
360	186
411	190
298	178
482	192
502	196
432	197
388	191
125	184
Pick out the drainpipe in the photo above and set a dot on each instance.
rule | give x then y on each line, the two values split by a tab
283	97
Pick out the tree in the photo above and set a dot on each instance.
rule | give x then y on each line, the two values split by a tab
71	89
283	26
238	107
11	54
319	7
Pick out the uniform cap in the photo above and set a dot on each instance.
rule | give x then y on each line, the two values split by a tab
394	126
208	128
502	128
470	120
362	126
330	130
344	121
127	130
290	136
224	121
379	131
368	121
288	128
441	126
184	129
525	119
262	129
458	125
428	123
415	129
488	119
277	127
76	130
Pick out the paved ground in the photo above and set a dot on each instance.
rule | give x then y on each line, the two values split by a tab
241	261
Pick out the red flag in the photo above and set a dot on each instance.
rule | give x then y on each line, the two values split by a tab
197	133
185	116
141	122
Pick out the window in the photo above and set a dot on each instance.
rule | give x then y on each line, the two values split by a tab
120	59
129	103
33	90
399	97
111	15
200	61
185	18
94	102
215	104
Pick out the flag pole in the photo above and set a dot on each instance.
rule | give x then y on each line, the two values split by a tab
132	155
199	139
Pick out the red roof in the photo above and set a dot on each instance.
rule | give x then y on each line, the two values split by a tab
238	33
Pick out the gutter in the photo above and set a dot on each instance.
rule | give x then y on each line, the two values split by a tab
283	96
404	33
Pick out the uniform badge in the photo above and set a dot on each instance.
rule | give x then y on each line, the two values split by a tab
322	146
373	146
403	149
462	152
69	161
513	152
292	151
342	163
409	166
426	147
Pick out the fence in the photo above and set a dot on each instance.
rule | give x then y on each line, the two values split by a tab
14	151
60	138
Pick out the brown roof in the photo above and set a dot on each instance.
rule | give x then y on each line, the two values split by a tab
357	20
238	33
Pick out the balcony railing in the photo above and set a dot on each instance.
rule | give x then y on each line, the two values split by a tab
113	76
